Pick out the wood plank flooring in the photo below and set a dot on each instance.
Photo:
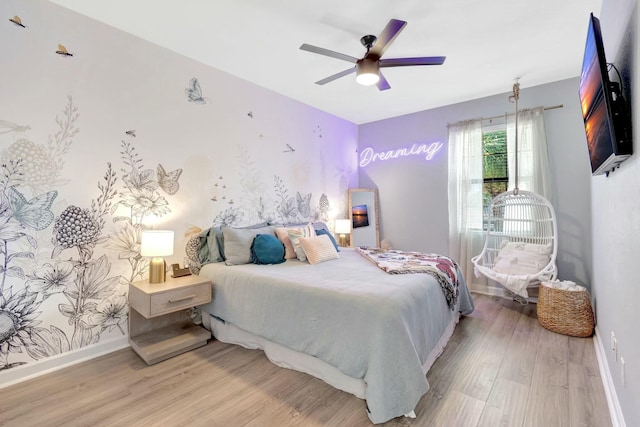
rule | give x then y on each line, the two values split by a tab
500	368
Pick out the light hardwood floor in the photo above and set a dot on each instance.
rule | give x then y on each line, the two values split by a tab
500	368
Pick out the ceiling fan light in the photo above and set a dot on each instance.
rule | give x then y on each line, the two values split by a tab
367	79
367	72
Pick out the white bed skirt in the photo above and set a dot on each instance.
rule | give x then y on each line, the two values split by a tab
291	359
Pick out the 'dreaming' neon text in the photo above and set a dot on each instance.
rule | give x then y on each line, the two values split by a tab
368	155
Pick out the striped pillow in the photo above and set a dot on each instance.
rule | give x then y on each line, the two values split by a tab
294	238
318	249
283	235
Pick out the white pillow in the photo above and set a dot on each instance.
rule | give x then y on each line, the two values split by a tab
521	259
318	249
508	247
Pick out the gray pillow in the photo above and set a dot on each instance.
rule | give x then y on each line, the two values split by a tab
209	250
319	225
219	238
237	243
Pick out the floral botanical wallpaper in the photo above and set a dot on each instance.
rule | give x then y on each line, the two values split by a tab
99	142
60	259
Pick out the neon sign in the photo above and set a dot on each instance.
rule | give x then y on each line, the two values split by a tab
369	155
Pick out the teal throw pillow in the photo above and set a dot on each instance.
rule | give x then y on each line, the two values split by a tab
267	249
322	231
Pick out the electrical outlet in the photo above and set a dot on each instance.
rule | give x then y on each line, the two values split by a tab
622	371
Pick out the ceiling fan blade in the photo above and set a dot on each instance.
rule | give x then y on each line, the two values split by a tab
327	52
387	36
336	76
403	62
382	84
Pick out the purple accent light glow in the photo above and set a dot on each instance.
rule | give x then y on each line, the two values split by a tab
369	155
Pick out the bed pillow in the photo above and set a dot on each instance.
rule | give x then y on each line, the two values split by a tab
318	249
294	236
325	232
219	238
283	235
319	225
267	249
209	250
237	243
521	259
191	250
508	247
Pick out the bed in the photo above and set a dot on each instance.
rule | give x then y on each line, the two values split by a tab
345	321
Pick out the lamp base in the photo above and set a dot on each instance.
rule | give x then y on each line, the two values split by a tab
343	240
157	270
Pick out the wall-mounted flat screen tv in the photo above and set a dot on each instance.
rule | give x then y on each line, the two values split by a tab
603	108
360	216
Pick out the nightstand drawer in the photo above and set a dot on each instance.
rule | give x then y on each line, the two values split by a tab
177	299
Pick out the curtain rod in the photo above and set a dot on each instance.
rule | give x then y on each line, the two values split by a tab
513	114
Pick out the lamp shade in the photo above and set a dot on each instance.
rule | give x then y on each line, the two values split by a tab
343	226
156	243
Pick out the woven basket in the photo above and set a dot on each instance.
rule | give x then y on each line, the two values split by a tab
565	312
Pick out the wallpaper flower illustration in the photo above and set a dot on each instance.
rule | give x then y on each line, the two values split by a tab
81	229
27	168
293	209
141	197
229	217
259	205
49	257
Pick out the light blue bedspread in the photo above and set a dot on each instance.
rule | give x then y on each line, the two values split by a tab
346	312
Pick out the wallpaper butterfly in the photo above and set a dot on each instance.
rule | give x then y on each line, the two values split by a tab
169	181
35	213
289	149
63	51
131	133
194	92
16	20
303	204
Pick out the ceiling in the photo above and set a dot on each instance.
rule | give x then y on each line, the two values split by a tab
488	44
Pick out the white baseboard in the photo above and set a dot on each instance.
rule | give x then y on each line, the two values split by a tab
617	419
50	364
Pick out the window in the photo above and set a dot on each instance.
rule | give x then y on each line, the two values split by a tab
495	170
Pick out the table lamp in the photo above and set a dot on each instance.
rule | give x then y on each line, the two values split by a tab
157	244
343	227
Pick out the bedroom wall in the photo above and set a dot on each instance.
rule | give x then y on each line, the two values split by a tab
616	222
413	190
117	137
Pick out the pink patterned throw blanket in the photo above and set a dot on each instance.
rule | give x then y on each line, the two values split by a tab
443	269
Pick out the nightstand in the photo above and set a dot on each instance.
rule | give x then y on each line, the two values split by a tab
159	323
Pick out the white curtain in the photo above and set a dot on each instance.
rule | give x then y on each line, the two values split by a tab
533	159
465	193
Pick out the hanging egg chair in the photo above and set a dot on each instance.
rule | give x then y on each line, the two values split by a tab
521	244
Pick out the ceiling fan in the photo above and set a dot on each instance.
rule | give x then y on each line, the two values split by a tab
367	68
